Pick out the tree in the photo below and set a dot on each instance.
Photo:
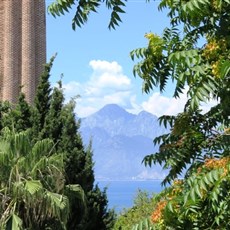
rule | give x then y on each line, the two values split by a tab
52	127
197	140
61	126
32	183
17	116
42	100
78	166
79	169
99	217
49	119
204	69
23	119
4	109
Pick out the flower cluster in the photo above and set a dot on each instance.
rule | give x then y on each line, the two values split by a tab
157	214
223	163
155	45
177	188
216	68
213	48
216	52
213	163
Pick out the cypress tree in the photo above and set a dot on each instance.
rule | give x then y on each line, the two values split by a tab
4	110
79	170
75	160
17	117
22	114
78	163
42	100
53	124
99	217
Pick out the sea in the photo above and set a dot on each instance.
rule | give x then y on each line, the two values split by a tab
121	194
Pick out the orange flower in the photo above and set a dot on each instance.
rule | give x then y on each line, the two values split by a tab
212	163
177	182
157	214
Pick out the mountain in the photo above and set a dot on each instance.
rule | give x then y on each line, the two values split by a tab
120	140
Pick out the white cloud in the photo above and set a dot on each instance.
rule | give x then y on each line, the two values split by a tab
206	106
159	105
149	174
72	89
105	66
114	80
107	84
108	75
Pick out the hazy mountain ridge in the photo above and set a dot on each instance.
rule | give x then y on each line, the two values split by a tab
120	141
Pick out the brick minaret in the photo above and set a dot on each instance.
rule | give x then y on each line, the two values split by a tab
22	47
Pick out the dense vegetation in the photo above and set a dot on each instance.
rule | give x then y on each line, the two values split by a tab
43	158
194	53
47	178
199	141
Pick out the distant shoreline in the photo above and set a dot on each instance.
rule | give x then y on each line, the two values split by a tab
104	180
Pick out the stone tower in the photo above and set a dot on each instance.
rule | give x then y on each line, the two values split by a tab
22	47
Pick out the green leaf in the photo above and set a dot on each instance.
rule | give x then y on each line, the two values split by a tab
202	184
33	186
216	174
225	68
14	223
206	180
170	207
210	176
215	195
192	194
197	190
118	9
143	225
58	201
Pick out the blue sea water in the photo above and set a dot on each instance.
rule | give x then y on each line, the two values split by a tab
121	194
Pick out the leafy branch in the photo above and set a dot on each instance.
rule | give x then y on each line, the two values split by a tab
85	7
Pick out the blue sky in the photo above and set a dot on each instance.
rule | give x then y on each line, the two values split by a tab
96	64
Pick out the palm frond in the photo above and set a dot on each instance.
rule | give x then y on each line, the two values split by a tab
14	223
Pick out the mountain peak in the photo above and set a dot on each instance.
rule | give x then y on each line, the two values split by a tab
145	114
111	107
113	111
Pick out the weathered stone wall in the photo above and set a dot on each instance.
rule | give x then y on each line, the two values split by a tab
22	47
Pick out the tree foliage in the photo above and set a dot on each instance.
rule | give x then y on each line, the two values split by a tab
42	100
195	57
193	52
203	69
84	8
50	119
16	116
32	183
201	201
